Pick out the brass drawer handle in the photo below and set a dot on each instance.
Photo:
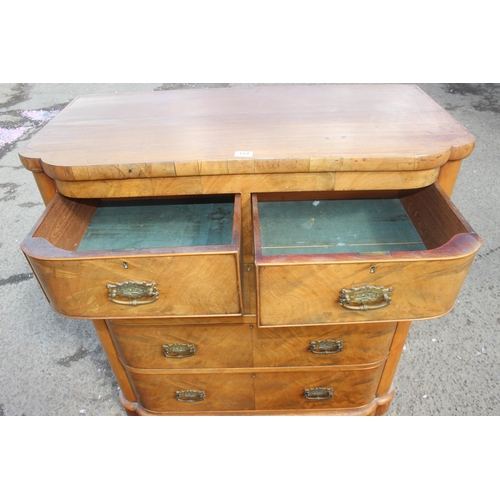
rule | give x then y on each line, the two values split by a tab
326	346
133	290
190	396
365	298
318	393
178	350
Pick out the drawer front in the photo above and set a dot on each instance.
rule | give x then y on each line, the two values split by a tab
103	282
409	255
161	392
322	346
316	389
176	346
195	285
312	294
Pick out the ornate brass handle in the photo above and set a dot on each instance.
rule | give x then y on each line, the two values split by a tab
190	396
133	290
326	346
365	298
179	350
318	393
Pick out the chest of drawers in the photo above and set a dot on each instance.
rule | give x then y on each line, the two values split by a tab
254	250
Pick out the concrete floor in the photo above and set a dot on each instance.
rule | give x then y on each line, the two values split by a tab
51	365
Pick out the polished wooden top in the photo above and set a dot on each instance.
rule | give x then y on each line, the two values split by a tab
311	128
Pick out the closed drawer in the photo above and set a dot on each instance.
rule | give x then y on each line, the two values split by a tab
161	257
259	389
324	260
193	391
334	388
177	346
322	345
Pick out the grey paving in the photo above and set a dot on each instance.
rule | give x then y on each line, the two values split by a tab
50	365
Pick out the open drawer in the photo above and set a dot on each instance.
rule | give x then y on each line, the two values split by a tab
137	258
326	258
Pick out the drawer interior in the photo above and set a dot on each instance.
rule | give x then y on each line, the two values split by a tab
355	223
139	224
336	226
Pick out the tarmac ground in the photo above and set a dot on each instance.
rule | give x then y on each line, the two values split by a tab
50	365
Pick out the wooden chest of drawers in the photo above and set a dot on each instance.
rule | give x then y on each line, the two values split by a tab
252	250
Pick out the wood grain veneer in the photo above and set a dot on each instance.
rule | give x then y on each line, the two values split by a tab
289	129
365	343
217	346
351	388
